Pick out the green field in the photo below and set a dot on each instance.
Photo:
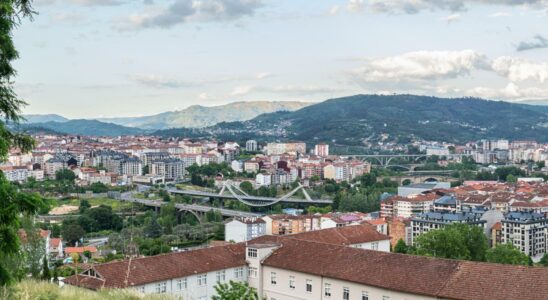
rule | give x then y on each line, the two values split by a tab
116	205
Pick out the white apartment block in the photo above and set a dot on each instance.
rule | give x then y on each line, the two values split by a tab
244	229
527	231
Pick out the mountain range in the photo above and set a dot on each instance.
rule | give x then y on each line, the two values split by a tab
195	116
354	121
198	116
362	119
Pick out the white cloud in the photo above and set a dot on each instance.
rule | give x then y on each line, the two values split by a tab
241	90
262	75
355	5
334	10
421	65
182	11
519	69
416	6
158	81
500	14
301	90
510	92
203	96
452	18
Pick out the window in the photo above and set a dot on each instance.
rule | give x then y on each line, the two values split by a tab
141	289
251	252
327	289
309	286
181	284
161	288
239	272
365	296
273	278
375	246
291	282
202	280
346	293
252	272
221	276
385	298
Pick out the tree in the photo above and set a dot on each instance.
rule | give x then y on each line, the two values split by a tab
65	175
406	182
153	229
46	274
511	178
400	247
12	205
507	254
84	204
72	233
455	241
235	291
544	260
98	187
247	187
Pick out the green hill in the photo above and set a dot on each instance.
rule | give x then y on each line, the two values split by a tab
198	116
88	127
368	118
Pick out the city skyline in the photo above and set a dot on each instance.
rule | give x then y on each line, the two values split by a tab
140	58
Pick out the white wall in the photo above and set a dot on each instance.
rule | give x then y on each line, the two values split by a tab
193	291
235	231
281	290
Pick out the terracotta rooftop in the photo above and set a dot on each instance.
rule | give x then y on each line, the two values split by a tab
348	235
139	271
442	278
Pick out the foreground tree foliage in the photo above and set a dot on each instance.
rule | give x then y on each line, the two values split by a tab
507	254
235	291
12	203
455	241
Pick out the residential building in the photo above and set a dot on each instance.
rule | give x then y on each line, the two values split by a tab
425	222
526	231
251	146
314	266
321	150
170	168
244	229
281	148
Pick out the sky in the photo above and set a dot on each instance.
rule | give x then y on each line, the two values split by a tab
113	58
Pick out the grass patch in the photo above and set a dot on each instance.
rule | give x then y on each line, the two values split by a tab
117	205
32	290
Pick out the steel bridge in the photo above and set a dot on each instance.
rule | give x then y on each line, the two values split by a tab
385	159
232	191
195	209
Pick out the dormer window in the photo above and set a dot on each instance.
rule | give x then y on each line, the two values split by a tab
252	252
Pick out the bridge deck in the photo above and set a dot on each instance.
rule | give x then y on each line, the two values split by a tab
191	207
247	198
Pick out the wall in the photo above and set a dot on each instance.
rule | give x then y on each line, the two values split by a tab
281	290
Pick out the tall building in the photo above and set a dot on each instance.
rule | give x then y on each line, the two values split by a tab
281	148
149	157
527	231
251	146
321	150
169	168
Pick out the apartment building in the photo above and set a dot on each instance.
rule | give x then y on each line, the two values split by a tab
527	231
169	168
244	229
281	148
425	222
149	157
290	224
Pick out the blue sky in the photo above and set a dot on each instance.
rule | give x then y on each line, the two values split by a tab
100	58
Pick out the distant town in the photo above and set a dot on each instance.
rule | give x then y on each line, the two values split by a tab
225	212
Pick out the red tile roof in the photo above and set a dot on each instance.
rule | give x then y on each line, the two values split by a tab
442	278
139	271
